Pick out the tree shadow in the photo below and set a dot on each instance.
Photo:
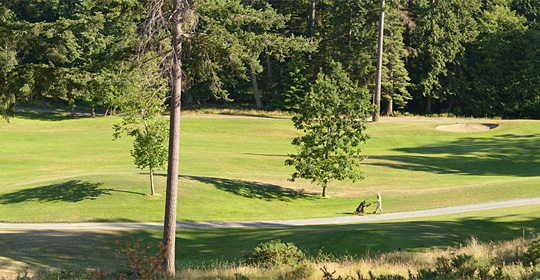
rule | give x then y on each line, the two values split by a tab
354	240
71	191
266	155
69	249
256	190
49	116
88	248
514	155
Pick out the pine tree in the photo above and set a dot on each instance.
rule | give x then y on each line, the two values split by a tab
439	32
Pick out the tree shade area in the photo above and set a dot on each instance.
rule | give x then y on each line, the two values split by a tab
466	57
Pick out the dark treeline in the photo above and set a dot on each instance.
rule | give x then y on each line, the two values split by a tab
466	57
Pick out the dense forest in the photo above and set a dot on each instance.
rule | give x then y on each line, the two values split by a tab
466	57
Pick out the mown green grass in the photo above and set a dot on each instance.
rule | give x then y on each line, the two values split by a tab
37	248
64	168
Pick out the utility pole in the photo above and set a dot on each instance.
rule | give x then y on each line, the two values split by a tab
377	97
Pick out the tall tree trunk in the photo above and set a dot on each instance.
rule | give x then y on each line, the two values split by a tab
324	191
169	225
152	189
390	108
188	97
256	92
428	104
377	101
270	76
311	26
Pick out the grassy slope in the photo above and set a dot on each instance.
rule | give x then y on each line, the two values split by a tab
58	168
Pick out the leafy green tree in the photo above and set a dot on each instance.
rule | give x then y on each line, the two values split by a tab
150	146
332	116
142	101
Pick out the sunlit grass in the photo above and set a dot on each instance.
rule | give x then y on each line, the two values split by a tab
233	169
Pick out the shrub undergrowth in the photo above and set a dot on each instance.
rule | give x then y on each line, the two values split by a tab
515	259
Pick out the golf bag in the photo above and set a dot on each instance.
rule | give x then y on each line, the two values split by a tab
362	208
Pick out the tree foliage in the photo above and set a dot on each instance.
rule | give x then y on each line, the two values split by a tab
150	146
441	30
439	56
64	49
332	117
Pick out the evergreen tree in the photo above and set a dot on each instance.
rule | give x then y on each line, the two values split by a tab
55	48
437	38
395	77
503	66
295	84
240	34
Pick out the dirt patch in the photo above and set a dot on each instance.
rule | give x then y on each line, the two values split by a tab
467	127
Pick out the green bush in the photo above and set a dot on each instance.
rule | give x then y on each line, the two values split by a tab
274	253
532	255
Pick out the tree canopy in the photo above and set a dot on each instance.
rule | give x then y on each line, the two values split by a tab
466	57
332	117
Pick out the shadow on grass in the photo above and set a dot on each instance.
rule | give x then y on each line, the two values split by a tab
49	116
507	155
71	191
265	155
357	240
37	248
255	190
67	249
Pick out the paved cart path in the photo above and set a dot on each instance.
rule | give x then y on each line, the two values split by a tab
280	223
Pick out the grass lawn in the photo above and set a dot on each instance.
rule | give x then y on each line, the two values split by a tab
64	168
38	248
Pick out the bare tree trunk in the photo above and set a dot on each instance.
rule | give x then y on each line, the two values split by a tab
256	92
188	97
324	191
428	104
270	76
152	182
169	225
390	108
377	101
312	19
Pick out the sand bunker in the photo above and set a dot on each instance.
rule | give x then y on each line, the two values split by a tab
467	127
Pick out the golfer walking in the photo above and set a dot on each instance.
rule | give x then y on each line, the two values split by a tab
379	204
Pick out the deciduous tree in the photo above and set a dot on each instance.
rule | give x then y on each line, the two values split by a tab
332	117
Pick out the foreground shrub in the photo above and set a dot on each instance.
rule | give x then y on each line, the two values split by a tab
275	254
143	265
532	255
